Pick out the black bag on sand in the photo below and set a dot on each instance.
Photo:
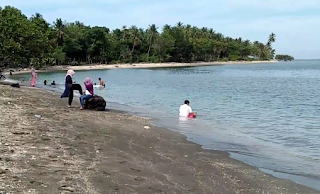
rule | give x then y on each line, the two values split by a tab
95	103
17	85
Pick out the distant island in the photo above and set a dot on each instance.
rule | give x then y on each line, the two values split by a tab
284	58
35	42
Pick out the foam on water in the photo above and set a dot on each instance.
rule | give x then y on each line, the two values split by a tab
267	115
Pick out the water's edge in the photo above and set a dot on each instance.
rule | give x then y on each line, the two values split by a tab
161	122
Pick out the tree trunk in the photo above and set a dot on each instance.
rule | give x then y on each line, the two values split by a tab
148	52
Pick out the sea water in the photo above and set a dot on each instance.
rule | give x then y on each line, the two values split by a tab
267	115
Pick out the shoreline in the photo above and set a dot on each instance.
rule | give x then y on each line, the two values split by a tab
113	153
137	65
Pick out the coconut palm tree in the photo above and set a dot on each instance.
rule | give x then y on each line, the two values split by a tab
59	28
152	33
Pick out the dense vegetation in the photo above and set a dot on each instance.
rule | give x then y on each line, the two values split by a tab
33	41
284	58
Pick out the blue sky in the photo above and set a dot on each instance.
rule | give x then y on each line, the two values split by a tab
296	23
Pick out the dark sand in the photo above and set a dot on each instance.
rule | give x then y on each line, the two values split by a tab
68	150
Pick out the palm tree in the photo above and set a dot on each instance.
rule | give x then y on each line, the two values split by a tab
136	41
124	29
152	33
211	33
272	38
179	24
59	28
166	27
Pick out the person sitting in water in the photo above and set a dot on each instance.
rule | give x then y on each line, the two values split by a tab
88	92
102	82
185	110
45	82
53	83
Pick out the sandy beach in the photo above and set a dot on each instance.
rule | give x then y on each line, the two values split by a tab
49	148
138	65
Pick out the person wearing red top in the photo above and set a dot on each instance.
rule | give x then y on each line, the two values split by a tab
88	92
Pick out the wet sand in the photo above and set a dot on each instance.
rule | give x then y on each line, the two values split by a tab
67	150
138	65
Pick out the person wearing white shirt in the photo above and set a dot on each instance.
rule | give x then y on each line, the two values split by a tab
185	109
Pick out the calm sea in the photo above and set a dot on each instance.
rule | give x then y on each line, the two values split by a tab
267	115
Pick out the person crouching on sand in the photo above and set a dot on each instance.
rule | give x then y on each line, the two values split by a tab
88	92
70	86
185	110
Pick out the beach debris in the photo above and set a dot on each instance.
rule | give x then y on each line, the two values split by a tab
186	156
66	188
9	102
38	116
146	127
6	144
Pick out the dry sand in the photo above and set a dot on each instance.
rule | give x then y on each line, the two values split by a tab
139	65
68	150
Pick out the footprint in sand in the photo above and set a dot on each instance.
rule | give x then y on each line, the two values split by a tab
139	178
135	169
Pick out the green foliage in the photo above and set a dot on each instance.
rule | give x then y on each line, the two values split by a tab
284	58
33	41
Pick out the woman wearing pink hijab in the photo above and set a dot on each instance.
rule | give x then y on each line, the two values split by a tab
34	77
88	92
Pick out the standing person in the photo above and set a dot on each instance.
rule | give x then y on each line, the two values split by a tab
45	82
70	86
1	75
102	82
185	110
88	92
34	77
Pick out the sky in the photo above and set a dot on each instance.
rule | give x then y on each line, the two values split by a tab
296	23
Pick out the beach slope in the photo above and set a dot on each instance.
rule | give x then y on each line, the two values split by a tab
48	148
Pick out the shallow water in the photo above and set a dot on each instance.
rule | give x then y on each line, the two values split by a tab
267	115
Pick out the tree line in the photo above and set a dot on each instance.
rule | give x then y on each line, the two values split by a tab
284	58
33	41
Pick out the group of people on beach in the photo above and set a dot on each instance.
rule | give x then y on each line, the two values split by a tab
71	86
185	110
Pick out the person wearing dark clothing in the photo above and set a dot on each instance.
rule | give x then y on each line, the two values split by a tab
70	87
45	82
2	76
53	83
